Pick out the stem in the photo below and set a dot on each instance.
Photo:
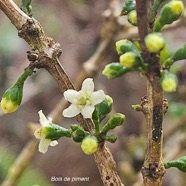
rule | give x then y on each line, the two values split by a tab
153	168
142	21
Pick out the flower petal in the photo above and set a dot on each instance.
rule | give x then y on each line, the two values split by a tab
71	111
88	85
43	120
53	143
43	145
71	95
87	111
97	97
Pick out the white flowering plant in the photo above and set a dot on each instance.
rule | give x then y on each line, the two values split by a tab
93	105
147	55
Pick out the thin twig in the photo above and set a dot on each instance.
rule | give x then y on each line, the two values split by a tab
48	52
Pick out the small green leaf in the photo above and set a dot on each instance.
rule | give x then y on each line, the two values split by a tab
177	109
102	109
26	7
180	54
179	164
128	6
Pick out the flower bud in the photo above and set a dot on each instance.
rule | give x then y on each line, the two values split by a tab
114	70
124	45
129	59
132	17
116	120
12	98
154	42
170	12
89	145
111	138
168	81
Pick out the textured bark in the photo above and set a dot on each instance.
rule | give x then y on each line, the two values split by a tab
45	54
153	168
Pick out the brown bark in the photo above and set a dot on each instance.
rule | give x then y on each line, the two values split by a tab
153	168
45	53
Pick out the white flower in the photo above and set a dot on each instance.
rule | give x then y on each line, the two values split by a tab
83	101
42	132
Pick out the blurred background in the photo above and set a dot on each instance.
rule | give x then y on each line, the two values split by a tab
80	26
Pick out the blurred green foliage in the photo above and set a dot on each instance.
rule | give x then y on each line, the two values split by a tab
30	177
176	109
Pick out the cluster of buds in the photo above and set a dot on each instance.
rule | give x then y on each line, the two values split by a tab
130	60
95	105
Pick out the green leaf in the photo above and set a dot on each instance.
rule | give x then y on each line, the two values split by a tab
102	109
176	109
128	6
179	164
180	54
26	6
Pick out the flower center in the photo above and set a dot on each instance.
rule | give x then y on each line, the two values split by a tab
84	99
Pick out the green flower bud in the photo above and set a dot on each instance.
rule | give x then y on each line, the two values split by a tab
89	145
178	55
12	98
129	59
114	70
128	6
132	17
116	120
170	12
111	138
179	164
154	42
79	134
8	106
124	45
137	107
168	81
